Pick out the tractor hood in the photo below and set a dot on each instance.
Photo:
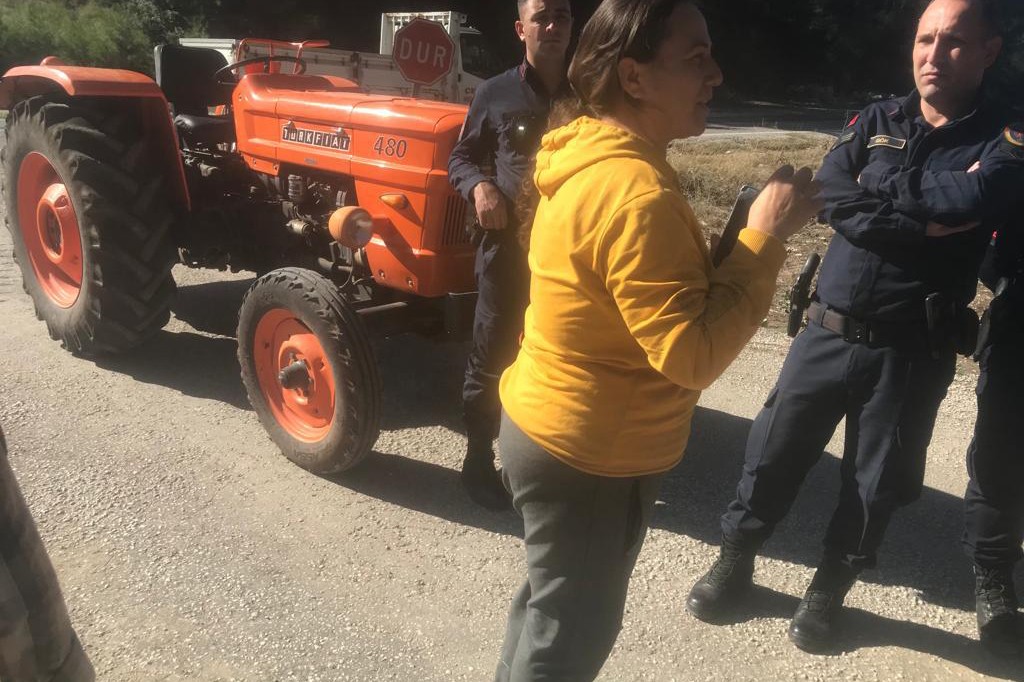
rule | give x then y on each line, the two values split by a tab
327	123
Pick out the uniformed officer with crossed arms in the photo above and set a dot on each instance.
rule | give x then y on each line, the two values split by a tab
889	316
994	499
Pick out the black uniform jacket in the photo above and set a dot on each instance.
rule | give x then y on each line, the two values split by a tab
502	132
880	265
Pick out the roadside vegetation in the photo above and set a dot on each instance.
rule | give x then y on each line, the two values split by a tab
711	172
111	33
832	52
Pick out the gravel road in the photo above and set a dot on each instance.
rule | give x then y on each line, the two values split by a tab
190	549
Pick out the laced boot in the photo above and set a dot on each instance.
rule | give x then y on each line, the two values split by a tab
999	624
723	586
812	626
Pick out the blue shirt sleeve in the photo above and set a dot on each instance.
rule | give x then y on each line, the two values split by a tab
861	217
954	198
475	149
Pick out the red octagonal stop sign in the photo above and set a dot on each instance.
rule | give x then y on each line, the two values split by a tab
424	52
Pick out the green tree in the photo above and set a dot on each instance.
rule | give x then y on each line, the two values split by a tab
167	20
111	33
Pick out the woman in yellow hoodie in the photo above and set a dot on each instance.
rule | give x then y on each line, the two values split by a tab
628	322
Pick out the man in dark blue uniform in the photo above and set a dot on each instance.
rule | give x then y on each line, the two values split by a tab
487	166
994	500
889	315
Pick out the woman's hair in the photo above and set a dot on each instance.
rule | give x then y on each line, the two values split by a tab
618	29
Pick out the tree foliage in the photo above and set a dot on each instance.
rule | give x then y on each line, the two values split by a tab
820	50
108	33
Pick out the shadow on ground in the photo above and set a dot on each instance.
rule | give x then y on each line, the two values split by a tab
197	365
422	383
921	548
859	629
425	488
422	379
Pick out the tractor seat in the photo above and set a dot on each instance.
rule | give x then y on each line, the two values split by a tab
186	75
205	130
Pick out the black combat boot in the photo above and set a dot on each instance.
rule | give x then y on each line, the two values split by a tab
481	480
723	586
999	624
812	625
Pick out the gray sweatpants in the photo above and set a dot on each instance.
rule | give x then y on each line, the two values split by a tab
583	534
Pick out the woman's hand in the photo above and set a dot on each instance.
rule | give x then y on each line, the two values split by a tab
789	199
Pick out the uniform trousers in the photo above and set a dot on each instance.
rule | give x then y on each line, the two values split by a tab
503	284
994	501
889	396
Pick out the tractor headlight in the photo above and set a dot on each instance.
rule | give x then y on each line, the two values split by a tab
351	226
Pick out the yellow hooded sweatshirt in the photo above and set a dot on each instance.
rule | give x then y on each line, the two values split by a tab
628	320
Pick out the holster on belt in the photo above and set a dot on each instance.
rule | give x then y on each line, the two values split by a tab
800	295
951	325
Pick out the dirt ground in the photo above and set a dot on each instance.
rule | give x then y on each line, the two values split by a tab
190	549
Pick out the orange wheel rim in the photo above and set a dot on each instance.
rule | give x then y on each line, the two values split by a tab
49	229
295	375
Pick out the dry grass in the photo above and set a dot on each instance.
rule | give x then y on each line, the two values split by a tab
711	171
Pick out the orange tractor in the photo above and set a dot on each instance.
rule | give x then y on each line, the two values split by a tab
338	200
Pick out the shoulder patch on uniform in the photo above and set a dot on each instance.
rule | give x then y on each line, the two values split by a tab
887	141
843	139
1012	141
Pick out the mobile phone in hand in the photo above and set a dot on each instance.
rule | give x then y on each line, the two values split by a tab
737	221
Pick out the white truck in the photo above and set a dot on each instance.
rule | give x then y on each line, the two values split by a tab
377	73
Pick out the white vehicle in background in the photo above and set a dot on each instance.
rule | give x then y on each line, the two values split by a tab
378	73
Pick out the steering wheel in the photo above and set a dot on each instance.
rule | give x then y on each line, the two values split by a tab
300	65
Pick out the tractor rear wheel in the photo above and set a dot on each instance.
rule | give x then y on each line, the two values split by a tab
309	369
90	222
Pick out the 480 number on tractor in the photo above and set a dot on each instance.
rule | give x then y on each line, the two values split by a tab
339	201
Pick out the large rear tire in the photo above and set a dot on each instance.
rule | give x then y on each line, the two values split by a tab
309	369
90	221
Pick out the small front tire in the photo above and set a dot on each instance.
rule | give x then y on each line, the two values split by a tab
309	370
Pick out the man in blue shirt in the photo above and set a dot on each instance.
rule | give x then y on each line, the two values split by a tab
487	167
889	315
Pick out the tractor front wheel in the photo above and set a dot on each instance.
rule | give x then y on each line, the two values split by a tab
309	369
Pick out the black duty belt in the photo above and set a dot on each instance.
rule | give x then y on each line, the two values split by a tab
871	333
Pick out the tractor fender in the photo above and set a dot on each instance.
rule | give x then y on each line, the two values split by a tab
136	89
